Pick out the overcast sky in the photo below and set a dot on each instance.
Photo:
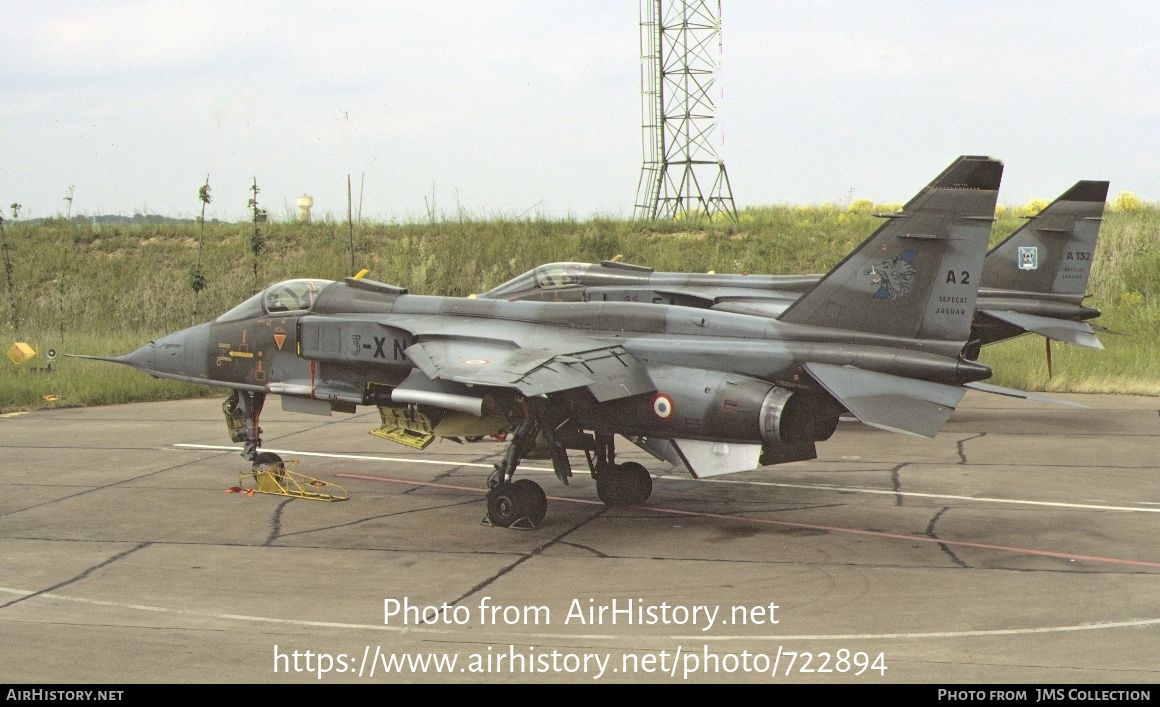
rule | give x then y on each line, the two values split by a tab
524	108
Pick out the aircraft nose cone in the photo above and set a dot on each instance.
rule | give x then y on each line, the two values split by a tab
175	354
141	358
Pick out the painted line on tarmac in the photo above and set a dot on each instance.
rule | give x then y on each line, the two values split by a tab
356	457
939	496
1073	557
669	477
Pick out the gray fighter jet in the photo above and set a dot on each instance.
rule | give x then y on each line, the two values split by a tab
1034	281
880	337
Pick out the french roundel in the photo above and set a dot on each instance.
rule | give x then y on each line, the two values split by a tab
662	406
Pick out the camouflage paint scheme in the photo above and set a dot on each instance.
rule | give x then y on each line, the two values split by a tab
880	337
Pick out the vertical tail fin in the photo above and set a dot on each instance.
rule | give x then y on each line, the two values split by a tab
918	275
1052	252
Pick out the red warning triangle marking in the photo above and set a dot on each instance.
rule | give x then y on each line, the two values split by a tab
279	339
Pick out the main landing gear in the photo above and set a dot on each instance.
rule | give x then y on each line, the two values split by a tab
522	503
626	484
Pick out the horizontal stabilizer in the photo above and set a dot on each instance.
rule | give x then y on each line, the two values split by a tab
1065	330
889	402
1016	393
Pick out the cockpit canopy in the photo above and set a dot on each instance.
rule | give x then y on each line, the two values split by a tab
288	296
550	275
569	277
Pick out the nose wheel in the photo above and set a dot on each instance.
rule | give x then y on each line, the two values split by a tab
516	504
270	463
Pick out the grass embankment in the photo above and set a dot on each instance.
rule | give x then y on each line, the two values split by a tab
108	289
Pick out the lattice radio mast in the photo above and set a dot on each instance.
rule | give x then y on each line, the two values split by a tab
680	43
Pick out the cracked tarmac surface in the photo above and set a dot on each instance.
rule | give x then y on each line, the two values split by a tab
1017	546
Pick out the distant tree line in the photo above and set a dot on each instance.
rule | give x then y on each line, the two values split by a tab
114	219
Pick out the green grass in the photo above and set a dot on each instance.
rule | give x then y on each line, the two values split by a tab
72	382
107	289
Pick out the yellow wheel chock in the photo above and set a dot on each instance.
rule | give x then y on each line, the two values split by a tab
283	479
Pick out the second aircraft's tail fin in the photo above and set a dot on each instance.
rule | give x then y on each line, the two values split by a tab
1052	252
918	275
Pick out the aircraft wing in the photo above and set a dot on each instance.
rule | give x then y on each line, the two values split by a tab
1065	330
889	402
607	371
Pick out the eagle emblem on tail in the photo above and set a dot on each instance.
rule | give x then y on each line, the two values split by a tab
894	276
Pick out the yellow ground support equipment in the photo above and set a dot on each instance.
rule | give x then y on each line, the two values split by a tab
409	428
20	352
284	480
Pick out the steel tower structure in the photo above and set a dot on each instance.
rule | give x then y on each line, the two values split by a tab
678	68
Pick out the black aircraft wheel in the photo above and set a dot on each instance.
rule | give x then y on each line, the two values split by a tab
533	499
627	485
272	463
505	504
608	488
637	483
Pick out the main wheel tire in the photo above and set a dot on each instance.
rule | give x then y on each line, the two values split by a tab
625	485
637	483
533	499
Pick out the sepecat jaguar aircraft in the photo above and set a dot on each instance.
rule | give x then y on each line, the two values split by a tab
880	337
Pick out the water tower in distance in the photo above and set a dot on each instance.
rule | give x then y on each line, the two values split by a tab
305	202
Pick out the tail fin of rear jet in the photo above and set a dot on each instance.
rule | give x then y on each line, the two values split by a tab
1052	252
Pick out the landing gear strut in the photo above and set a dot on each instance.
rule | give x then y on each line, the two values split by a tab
242	410
519	504
522	503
